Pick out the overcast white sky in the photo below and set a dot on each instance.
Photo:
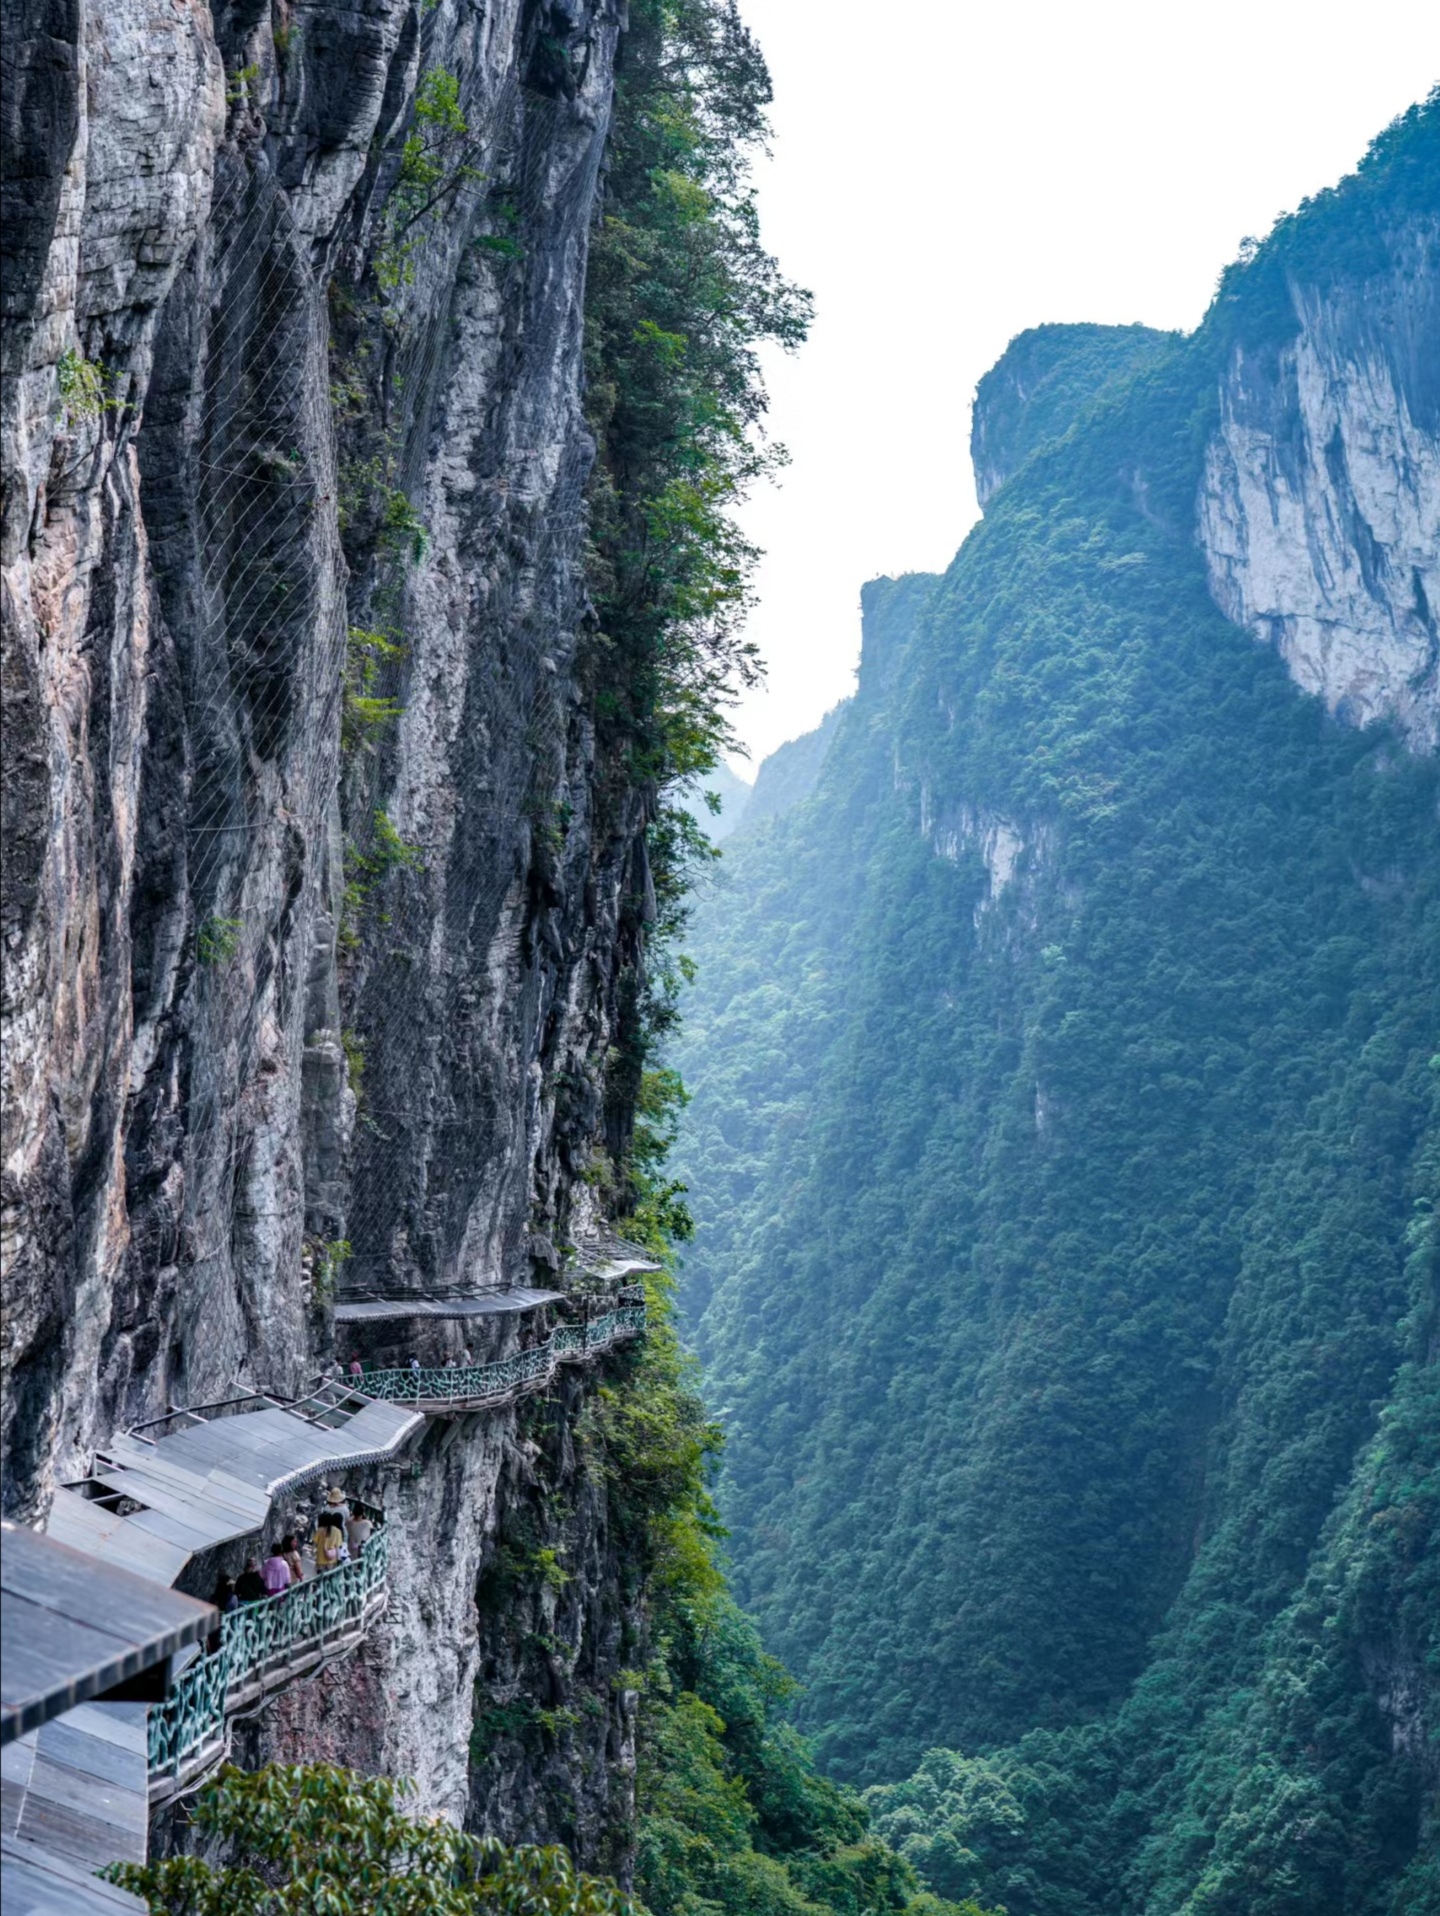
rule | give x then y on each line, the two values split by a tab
948	172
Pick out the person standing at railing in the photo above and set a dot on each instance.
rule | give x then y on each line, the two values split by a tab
415	1363
275	1573
357	1369
250	1585
328	1542
358	1532
467	1358
225	1600
290	1551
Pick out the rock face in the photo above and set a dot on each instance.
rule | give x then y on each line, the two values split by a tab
109	161
1319	508
1319	512
314	928
201	472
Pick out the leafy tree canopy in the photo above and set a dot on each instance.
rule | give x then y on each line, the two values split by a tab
314	1840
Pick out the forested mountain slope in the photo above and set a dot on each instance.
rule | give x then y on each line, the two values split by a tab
1063	1141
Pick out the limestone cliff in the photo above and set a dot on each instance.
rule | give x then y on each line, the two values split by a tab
1319	512
315	931
199	466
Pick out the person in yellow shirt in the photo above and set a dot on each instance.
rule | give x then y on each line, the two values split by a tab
328	1541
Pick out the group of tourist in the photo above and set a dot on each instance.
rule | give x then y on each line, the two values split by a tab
340	1535
465	1361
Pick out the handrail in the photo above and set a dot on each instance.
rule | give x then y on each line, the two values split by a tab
201	1413
260	1645
263	1645
479	1384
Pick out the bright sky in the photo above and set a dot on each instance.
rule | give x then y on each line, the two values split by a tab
948	172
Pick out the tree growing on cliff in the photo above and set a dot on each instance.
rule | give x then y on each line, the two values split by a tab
314	1840
680	295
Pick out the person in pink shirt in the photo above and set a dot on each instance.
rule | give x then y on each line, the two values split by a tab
275	1573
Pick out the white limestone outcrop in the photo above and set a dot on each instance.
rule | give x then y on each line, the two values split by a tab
1319	510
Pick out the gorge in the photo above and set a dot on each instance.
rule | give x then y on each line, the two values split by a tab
380	378
1062	1139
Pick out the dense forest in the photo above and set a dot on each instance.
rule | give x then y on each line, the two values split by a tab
732	1815
1063	1150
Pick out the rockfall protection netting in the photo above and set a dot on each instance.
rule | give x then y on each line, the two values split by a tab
426	896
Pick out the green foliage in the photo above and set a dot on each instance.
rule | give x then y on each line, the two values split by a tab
239	84
354	1050
660	1215
1064	1253
680	294
733	1816
436	161
366	867
1025	1827
328	1257
319	1841
366	714
548	1567
1050	379
501	244
218	939
84	387
401	527
500	1722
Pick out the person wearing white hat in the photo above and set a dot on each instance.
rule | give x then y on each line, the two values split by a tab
329	1538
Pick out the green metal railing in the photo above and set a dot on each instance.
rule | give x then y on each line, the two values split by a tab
506	1376
259	1644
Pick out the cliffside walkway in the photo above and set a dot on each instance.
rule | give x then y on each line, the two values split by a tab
456	1390
263	1648
200	1477
79	1787
77	1634
192	1481
72	1629
266	1646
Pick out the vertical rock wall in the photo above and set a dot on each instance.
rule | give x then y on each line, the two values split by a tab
232	373
111	130
299	987
1319	510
